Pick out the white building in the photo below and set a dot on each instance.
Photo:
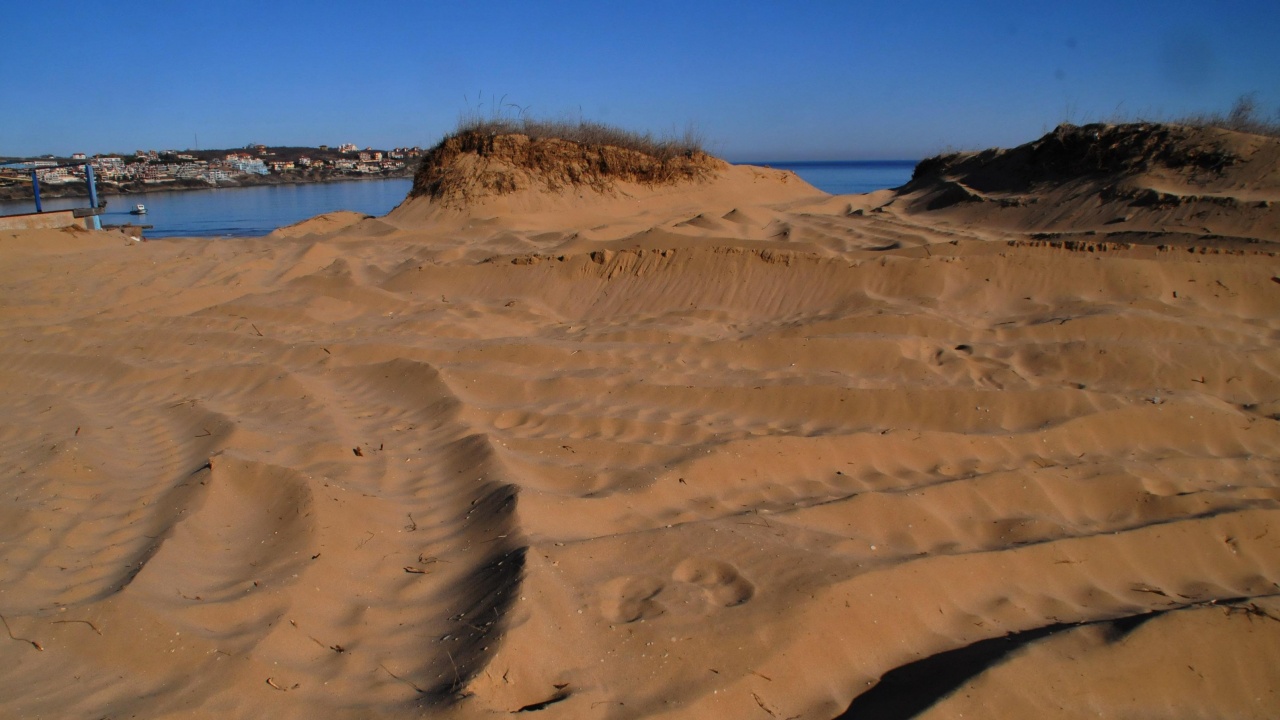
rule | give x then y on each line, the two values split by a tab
252	167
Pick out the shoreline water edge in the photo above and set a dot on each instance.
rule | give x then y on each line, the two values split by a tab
262	208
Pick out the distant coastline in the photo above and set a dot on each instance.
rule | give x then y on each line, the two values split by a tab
170	170
106	189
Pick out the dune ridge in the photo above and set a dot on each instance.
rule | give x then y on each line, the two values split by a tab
1135	183
723	446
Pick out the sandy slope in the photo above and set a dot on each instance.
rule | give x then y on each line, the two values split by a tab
737	449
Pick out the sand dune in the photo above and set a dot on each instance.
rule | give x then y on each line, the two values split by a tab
727	447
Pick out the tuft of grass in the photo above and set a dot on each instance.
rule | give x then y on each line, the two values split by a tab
1243	117
585	132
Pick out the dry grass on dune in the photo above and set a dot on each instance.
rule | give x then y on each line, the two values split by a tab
586	132
1243	117
508	155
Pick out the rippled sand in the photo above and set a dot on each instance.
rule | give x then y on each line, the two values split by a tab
742	450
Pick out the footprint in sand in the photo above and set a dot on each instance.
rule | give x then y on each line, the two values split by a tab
630	598
721	582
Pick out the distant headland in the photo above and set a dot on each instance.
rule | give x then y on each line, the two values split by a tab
151	170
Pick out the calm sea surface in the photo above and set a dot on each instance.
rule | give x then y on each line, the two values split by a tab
237	212
246	212
851	177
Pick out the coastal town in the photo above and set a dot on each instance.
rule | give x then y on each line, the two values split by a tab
150	170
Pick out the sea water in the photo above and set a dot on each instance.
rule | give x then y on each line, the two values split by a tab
253	211
236	212
849	177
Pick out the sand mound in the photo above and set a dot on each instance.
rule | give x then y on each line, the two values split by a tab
321	224
1127	182
513	193
55	241
725	447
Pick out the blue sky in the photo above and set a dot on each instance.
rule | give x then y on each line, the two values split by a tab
759	80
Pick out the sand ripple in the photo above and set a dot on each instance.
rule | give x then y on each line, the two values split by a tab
743	462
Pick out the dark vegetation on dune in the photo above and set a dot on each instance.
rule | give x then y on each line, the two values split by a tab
1102	149
501	156
1071	151
1126	183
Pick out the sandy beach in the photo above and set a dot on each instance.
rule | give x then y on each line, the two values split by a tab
560	435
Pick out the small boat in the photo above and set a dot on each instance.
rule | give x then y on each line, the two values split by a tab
138	209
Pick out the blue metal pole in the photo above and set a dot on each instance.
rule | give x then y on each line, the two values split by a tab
93	186
35	188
